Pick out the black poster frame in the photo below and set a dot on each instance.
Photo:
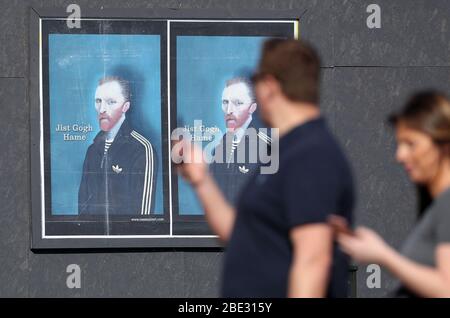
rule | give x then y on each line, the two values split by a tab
185	232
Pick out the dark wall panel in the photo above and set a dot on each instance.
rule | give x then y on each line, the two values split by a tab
412	33
14	189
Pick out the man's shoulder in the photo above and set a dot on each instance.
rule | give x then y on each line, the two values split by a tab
138	139
264	135
139	143
323	149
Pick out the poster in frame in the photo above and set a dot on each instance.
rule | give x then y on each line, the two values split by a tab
209	55
110	89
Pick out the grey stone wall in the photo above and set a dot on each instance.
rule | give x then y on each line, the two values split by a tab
367	74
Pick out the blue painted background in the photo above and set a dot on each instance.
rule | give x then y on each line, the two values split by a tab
204	64
76	63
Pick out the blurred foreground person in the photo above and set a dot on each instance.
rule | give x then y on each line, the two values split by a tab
278	241
423	148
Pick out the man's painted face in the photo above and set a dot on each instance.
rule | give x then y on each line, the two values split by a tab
237	105
110	104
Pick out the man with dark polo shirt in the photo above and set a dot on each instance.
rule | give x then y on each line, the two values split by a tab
278	242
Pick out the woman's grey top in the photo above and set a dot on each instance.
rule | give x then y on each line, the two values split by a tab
433	229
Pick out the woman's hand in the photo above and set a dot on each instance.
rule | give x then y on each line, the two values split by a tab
365	246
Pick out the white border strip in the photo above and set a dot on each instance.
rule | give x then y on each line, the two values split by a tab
169	147
128	236
41	126
290	20
238	21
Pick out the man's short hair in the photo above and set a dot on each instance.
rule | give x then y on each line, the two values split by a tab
247	82
295	65
124	84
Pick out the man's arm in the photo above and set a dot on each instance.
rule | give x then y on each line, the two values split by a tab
312	257
218	212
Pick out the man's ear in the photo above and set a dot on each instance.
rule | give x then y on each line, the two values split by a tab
252	108
273	85
270	88
125	107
